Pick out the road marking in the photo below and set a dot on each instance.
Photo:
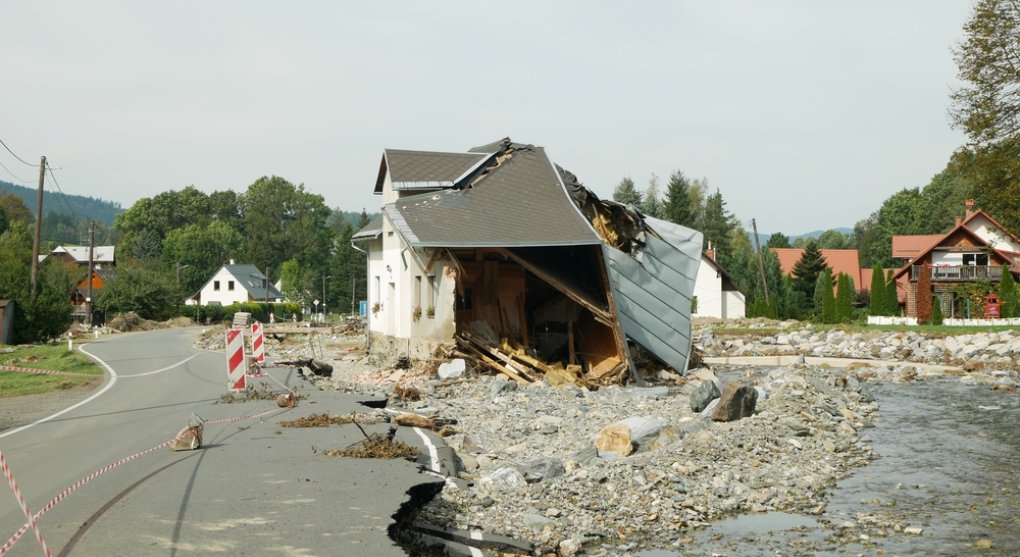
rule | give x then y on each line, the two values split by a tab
433	452
167	368
107	387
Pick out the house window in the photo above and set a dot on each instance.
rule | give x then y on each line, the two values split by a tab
376	290
216	285
230	285
432	292
417	291
980	259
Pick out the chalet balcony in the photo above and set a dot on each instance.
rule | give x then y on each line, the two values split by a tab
959	273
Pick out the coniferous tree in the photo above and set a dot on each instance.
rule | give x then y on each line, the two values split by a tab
936	311
892	296
1007	295
626	193
677	207
825	302
651	204
878	304
844	299
807	269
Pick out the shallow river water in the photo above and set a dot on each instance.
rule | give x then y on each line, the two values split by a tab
946	481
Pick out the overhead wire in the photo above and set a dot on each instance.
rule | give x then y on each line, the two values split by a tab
13	175
62	196
23	161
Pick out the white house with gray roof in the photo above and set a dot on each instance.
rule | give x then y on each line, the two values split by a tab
236	283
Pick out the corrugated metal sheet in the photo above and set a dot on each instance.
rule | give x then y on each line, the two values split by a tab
653	290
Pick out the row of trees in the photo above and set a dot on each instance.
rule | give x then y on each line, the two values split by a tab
178	239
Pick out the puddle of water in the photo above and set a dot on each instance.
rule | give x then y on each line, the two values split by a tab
762	523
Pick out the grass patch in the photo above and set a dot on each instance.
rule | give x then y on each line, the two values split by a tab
46	357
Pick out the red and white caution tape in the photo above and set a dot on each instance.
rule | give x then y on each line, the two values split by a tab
32	520
44	371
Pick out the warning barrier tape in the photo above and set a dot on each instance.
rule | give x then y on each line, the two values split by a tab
32	520
77	485
45	371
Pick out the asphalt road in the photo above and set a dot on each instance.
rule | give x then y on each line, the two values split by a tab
255	488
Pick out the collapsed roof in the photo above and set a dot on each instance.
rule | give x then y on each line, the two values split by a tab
510	200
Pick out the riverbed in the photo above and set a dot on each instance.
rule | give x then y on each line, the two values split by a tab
945	482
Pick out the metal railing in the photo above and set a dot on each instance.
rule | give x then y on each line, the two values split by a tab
959	273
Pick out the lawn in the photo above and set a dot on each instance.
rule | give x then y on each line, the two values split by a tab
48	357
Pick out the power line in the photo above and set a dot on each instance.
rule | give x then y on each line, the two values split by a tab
18	178
62	196
23	161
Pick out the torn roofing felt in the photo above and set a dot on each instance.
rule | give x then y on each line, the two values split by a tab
515	200
652	268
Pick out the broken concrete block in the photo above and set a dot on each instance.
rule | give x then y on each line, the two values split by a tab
321	368
285	400
414	420
504	479
737	401
453	369
190	437
542	469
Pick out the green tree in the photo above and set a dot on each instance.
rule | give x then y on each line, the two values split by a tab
651	203
778	240
936	310
3	220
282	221
834	239
718	224
697	194
626	193
293	284
807	269
195	251
987	107
144	226
14	208
844	310
825	302
142	288
677	207
892	296
1008	295
48	313
878	304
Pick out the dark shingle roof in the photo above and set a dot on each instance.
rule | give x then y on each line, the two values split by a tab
521	202
411	170
371	230
252	280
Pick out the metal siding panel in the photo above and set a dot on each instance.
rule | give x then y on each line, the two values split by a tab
654	291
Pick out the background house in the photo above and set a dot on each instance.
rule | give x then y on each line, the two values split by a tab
236	283
846	261
716	291
976	249
103	257
80	293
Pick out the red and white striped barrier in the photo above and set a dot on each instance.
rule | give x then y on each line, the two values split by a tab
32	519
44	371
236	369
258	346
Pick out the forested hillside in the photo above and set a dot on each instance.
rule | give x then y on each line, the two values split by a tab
81	207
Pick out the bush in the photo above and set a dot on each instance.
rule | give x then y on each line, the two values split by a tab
936	311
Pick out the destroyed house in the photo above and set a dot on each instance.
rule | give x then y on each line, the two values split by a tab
531	274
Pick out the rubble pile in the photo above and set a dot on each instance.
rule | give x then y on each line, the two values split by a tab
543	465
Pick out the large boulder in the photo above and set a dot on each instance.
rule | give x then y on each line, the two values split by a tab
705	392
737	401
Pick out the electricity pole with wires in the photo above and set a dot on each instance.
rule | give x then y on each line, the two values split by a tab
38	230
92	247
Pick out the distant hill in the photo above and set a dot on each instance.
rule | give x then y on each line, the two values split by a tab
84	208
763	238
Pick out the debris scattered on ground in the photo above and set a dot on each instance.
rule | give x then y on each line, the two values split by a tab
377	446
325	420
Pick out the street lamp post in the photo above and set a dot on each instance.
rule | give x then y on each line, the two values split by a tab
324	277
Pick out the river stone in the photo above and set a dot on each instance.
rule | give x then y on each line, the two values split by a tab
704	393
542	469
504	479
737	401
614	439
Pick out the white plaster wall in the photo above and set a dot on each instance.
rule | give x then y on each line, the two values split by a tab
708	289
734	305
993	235
224	296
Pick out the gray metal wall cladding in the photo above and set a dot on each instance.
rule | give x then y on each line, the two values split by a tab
653	290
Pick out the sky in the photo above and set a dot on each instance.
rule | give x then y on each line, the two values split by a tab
805	115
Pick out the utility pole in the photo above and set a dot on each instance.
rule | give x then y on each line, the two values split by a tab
354	289
324	277
761	260
38	229
92	247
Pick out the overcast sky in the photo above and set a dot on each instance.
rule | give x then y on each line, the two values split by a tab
804	114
